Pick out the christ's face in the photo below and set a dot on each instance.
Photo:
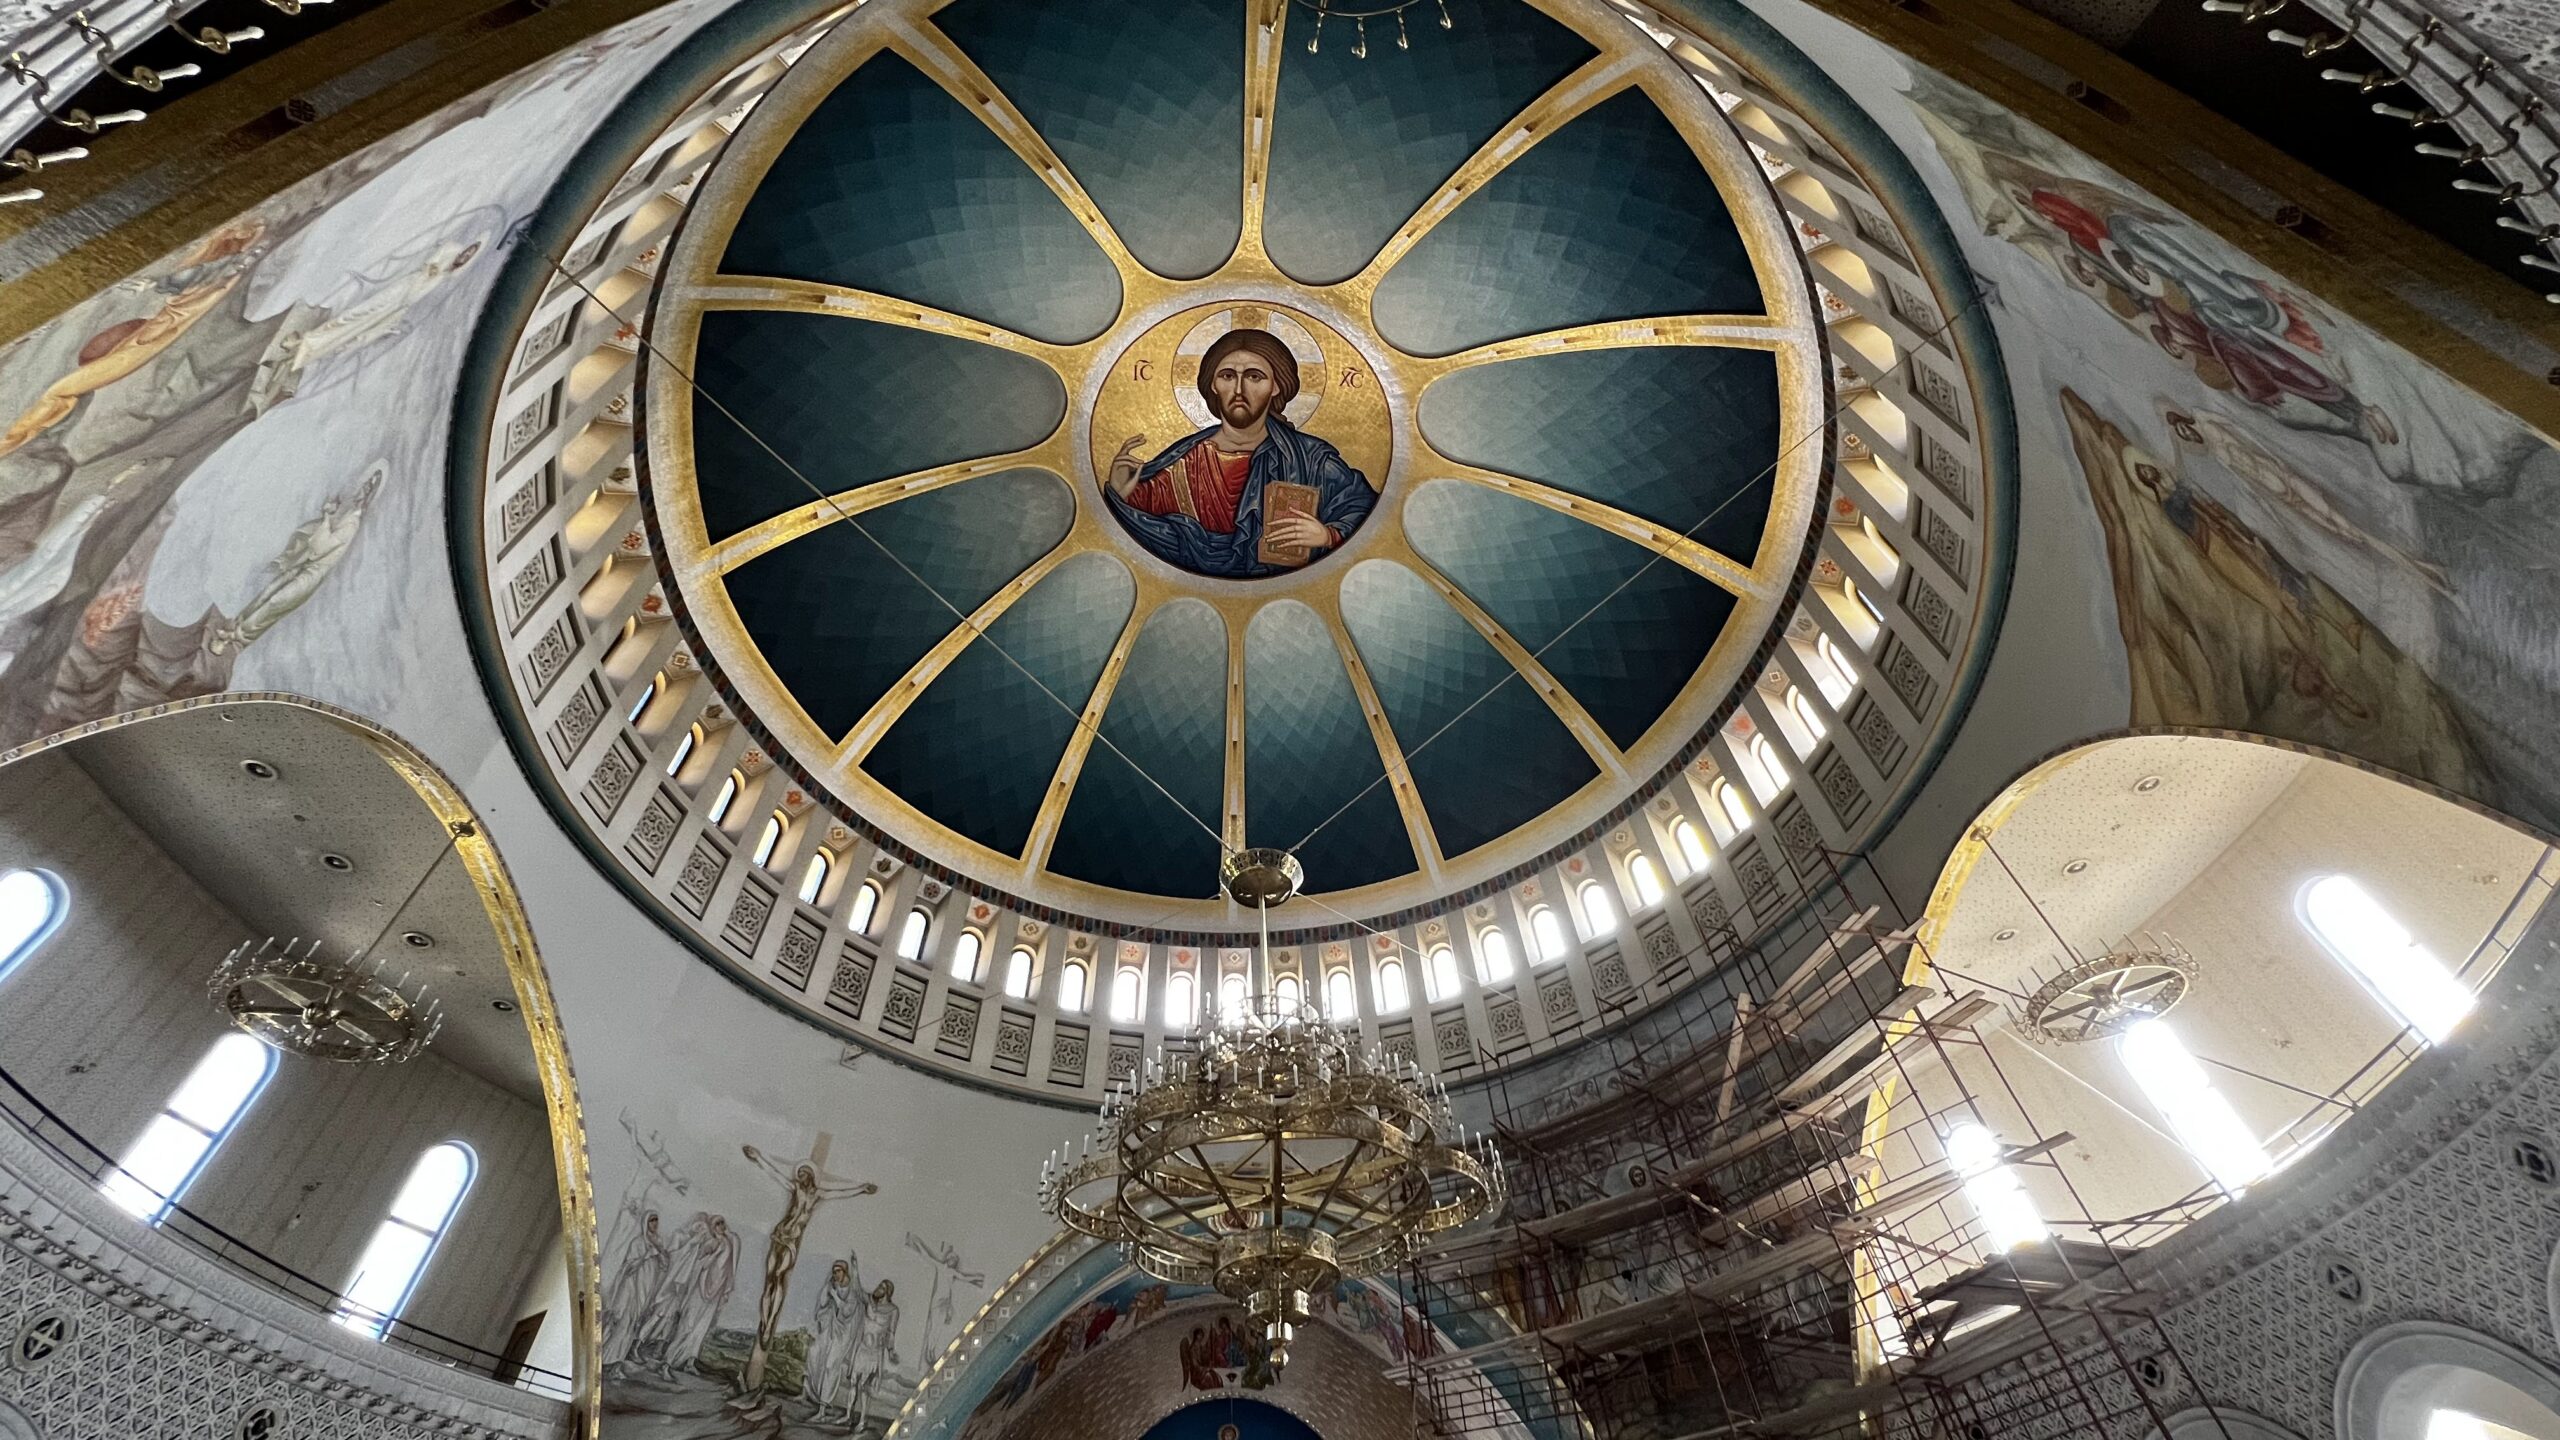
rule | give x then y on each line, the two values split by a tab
1244	388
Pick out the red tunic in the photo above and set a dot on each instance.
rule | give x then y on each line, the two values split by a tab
1204	484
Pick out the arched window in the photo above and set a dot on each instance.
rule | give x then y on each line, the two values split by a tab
727	797
1493	957
1800	705
1181	999
1286	989
1071	984
2202	1120
1999	1198
1231	998
648	694
1647	878
1392	995
1440	973
1017	972
31	906
964	957
1767	776
691	737
420	1215
1874	616
1128	994
2405	976
866	908
1340	1003
1729	800
1834	675
181	1138
911	936
1598	915
771	839
1547	939
813	877
1689	845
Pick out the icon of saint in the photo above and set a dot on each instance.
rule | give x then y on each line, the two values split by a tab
1252	495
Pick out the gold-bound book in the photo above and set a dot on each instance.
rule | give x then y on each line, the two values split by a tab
1282	498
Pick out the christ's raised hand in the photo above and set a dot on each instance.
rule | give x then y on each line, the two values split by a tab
1126	464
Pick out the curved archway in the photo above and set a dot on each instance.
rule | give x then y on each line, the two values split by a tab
1231	1419
2398	1380
512	937
2221	1422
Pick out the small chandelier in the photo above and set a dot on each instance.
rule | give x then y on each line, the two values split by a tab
288	994
1275	1159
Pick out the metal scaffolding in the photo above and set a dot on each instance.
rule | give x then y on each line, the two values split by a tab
1755	1226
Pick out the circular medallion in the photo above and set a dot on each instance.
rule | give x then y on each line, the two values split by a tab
1241	440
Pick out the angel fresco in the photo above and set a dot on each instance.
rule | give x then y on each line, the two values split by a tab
1201	503
2223	631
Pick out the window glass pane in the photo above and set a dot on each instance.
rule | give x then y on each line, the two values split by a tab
727	797
964	957
1440	972
2203	1121
771	837
1598	916
28	906
813	879
866	904
1231	995
640	703
1017	973
1071	988
1287	990
911	939
1338	999
1548	931
684	749
1391	991
1693	846
1648	880
1124	994
435	1187
1177	998
1734	810
156	1169
2404	975
1493	956
383	1277
222	1082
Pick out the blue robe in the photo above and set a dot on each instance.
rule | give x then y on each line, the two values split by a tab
1287	453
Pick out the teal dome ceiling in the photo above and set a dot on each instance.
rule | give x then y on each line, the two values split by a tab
1545	345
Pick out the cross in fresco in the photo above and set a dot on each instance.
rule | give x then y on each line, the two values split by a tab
805	1187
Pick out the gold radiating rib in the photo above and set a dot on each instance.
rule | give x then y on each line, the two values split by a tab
1062	783
1266	26
723	556
1417	820
1232	827
932	52
884	712
1594	82
1738	332
809	297
1594	739
1734	575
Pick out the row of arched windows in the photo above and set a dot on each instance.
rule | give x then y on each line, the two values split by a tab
180	1142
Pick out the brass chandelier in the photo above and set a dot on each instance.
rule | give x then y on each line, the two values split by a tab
1271	1159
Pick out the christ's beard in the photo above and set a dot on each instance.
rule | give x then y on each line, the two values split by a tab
1241	413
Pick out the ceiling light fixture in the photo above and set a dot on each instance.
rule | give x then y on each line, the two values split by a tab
288	994
1272	1159
1360	19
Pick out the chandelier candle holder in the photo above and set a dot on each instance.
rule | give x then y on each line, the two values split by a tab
305	1003
1270	1158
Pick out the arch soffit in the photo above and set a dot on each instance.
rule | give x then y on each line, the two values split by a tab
2399	1372
513	931
2221	1422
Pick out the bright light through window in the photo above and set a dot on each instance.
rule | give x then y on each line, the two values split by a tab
1493	957
866	904
813	878
1231	998
1071	989
1647	879
964	957
1691	846
1392	995
1017	973
388	1274
1180	994
2008	1216
1598	916
1440	972
2198	1115
174	1147
2457	1425
30	906
2404	975
911	938
1125	998
1287	991
1339	1002
1548	932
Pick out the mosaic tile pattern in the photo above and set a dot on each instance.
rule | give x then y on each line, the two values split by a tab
1357	146
1607	219
1541	575
1168	716
976	750
840	623
893	186
1676	435
1144	115
848	402
1483	770
1308	752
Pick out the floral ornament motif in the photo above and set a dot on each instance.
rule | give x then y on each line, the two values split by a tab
1337	951
1080	944
981	911
932	892
1576	865
654	603
1382	944
633	541
1530	889
1031	930
1132	953
680	660
839	835
1435	928
1827	570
